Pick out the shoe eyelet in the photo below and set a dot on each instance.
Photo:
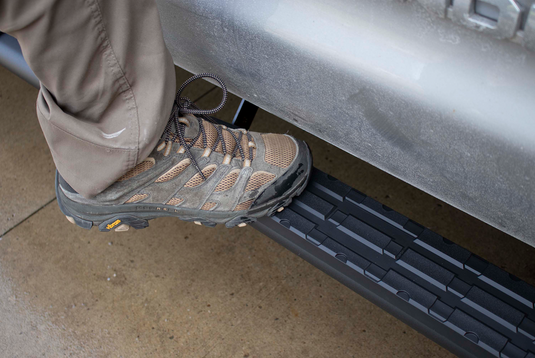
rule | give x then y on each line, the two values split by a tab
227	159
184	120
207	152
160	147
168	148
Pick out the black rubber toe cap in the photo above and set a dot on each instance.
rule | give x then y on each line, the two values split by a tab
298	171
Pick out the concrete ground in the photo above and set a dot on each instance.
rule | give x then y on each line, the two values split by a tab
179	290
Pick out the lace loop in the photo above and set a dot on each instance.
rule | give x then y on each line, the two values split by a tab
186	106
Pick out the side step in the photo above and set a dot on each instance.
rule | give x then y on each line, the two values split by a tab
452	296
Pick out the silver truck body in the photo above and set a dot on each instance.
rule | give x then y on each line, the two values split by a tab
439	95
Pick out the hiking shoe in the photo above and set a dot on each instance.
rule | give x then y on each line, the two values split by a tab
202	171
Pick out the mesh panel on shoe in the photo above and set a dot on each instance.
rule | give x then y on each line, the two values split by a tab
243	206
174	171
230	143
175	201
280	150
258	179
138	169
208	206
136	198
211	136
228	181
197	179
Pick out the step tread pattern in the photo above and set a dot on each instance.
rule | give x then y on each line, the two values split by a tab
467	294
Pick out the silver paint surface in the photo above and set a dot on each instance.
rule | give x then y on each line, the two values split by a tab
447	109
11	58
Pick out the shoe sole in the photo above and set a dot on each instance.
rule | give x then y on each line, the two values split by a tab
122	217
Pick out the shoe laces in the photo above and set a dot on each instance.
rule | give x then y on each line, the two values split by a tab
176	127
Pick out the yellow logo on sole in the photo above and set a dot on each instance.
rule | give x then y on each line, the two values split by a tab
113	224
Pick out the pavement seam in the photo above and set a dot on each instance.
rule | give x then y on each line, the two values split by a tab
27	217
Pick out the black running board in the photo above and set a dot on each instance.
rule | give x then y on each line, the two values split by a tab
450	295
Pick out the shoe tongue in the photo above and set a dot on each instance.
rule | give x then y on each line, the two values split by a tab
193	129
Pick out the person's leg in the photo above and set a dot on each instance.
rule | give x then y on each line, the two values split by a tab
107	94
107	82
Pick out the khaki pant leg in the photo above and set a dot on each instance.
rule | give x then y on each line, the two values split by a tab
107	82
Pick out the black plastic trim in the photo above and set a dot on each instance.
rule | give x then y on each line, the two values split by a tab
457	299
